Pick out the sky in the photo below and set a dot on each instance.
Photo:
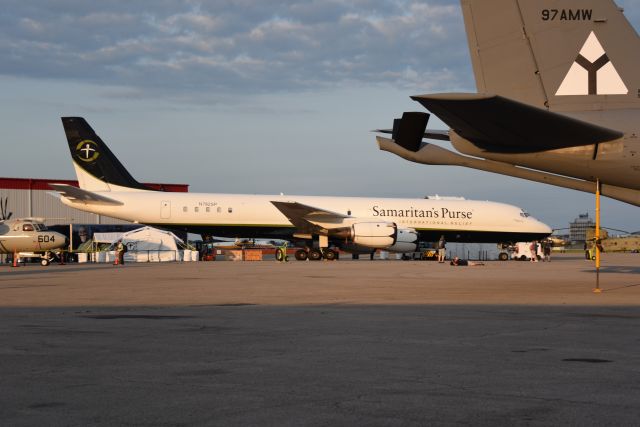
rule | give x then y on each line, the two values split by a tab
251	97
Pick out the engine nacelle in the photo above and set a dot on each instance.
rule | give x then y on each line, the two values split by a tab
406	241
374	234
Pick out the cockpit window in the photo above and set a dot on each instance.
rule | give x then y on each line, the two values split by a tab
524	214
27	227
40	227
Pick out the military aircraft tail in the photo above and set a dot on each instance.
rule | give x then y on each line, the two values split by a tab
97	168
569	55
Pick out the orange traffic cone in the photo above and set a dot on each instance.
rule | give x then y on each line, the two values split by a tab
116	262
15	259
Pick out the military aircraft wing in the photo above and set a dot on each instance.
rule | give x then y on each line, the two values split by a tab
308	219
500	124
77	195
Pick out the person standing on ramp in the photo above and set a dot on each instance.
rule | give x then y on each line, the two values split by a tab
442	251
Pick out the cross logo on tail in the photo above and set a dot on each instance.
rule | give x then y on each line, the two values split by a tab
592	73
86	151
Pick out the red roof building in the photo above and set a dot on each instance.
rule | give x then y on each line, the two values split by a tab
43	184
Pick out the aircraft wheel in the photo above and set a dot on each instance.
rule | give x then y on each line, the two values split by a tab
503	256
44	262
523	258
279	254
315	255
330	254
301	255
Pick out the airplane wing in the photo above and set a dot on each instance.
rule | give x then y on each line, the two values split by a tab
308	219
500	124
77	195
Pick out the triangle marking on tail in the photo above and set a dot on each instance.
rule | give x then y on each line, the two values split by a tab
592	73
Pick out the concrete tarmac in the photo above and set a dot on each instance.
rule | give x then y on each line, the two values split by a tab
321	343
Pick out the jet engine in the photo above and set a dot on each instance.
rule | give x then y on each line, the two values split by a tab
406	241
374	234
367	236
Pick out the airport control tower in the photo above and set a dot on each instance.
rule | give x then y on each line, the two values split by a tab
578	228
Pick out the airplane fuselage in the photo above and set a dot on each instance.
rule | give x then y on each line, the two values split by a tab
13	238
233	215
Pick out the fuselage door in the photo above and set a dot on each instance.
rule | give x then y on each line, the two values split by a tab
165	209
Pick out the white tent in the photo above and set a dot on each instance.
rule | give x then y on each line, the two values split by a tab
107	237
148	244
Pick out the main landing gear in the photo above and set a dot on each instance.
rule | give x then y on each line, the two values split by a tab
315	254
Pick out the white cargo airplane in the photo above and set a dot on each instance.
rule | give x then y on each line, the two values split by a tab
353	224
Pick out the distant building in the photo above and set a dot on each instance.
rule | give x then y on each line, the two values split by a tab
578	228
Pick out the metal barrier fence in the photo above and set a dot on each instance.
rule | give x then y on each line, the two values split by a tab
155	255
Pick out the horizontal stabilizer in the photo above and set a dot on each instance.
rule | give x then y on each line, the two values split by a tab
431	154
439	135
77	195
500	124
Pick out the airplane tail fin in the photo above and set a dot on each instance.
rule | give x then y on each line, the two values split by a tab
96	166
570	55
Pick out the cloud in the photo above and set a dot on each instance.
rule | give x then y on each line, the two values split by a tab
164	48
202	50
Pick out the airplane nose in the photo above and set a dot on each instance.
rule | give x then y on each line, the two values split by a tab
544	228
60	238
